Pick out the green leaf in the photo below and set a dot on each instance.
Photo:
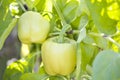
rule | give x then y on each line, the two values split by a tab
83	7
80	21
83	24
75	24
15	70
6	21
57	78
88	39
82	35
33	76
101	42
61	3
41	5
33	3
42	70
30	4
7	31
87	54
106	66
98	11
70	10
5	17
83	21
3	60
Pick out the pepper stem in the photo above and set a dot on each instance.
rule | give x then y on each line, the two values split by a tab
61	35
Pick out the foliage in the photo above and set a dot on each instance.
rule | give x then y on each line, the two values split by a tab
110	65
93	24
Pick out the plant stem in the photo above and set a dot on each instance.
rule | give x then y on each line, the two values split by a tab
64	23
106	37
113	41
37	63
78	63
59	12
61	35
54	34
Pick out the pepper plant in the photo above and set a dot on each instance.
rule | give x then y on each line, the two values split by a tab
65	39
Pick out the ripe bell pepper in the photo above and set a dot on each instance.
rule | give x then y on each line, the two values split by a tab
59	58
33	27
